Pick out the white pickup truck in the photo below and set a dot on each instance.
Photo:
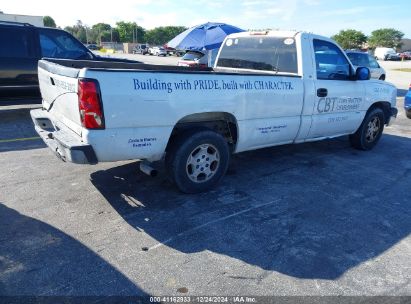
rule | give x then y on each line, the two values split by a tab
266	89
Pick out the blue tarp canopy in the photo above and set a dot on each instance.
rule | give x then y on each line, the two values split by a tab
202	37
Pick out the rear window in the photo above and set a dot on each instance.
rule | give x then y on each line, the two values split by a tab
359	59
191	56
16	43
260	53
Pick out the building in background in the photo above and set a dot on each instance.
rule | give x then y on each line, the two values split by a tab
34	20
406	45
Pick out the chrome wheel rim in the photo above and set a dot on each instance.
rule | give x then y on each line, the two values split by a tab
203	163
373	129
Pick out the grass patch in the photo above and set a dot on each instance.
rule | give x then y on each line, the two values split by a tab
404	70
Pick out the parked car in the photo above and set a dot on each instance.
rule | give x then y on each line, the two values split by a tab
93	47
195	119
142	49
193	59
173	52
364	59
157	51
405	55
383	53
407	103
22	46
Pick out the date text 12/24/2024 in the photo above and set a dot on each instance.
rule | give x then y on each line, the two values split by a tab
203	299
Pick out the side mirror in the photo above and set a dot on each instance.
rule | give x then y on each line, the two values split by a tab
362	73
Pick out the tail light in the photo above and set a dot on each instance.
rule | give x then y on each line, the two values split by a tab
89	103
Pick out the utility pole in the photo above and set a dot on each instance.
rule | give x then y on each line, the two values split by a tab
111	34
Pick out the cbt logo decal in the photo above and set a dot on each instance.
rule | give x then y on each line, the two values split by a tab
335	104
326	104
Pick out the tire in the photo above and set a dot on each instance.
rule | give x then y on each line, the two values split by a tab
197	160
408	114
382	77
370	131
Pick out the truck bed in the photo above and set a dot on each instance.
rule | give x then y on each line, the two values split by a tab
105	65
72	68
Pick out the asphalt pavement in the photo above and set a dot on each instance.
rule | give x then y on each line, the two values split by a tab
310	219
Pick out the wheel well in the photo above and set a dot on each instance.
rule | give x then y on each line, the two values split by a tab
383	105
221	122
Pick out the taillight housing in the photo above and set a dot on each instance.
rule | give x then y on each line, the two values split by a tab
89	104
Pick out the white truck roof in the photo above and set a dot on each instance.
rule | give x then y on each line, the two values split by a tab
277	33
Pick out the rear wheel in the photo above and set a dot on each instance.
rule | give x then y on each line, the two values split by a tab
382	77
370	131
197	160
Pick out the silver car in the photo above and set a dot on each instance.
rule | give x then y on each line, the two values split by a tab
157	51
366	60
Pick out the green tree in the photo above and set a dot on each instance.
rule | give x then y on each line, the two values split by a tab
163	34
350	39
101	32
386	37
101	27
130	32
80	31
49	22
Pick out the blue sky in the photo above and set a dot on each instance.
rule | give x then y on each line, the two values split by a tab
318	16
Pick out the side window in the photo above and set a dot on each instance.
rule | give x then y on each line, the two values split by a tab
48	46
59	44
16	43
330	61
373	63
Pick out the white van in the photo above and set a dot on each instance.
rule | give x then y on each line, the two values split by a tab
383	53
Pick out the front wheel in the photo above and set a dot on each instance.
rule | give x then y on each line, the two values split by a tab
197	160
370	131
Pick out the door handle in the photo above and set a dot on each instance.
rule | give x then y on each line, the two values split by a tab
322	92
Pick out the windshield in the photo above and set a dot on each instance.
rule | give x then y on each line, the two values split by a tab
276	54
192	56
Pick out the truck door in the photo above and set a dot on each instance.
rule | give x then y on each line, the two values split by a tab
18	62
338	97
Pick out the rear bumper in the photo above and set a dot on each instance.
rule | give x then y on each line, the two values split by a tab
66	144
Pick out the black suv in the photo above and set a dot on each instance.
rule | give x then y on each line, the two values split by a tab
22	45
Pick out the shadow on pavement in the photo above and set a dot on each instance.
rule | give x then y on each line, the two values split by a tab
37	259
308	211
